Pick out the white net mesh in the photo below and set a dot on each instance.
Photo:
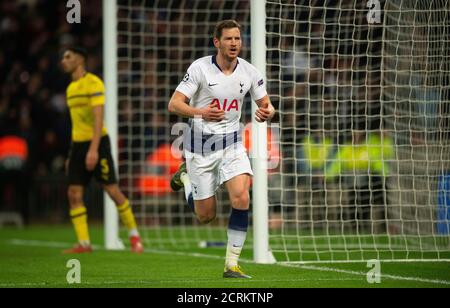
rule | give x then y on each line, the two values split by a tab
157	41
363	96
363	110
416	77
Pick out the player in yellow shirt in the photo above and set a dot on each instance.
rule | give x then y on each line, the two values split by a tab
90	153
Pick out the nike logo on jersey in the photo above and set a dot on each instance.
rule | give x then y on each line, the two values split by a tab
212	84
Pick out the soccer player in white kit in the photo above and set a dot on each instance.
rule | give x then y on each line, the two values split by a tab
211	94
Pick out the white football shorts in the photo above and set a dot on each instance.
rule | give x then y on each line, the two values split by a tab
208	172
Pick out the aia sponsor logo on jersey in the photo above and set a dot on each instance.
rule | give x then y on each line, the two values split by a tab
226	105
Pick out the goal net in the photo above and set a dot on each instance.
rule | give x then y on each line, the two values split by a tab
157	41
362	93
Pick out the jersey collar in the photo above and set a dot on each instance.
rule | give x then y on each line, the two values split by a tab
214	61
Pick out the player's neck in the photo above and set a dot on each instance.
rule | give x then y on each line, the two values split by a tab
78	73
227	66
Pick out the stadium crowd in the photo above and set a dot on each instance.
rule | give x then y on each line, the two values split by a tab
322	91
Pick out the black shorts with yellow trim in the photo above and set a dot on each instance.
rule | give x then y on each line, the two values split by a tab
104	172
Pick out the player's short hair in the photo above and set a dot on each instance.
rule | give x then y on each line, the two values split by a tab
79	51
225	24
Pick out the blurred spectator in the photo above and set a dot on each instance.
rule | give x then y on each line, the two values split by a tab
381	155
350	169
360	167
314	154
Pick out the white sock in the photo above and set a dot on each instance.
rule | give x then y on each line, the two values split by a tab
133	232
184	177
236	241
85	243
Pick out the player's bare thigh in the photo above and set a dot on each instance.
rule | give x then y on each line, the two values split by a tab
205	209
238	190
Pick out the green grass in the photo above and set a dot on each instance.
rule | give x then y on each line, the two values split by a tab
32	258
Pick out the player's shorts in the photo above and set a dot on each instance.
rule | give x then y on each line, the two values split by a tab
208	172
104	172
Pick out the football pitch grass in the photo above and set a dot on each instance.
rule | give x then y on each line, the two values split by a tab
32	258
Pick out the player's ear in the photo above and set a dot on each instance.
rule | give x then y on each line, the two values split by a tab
81	60
216	42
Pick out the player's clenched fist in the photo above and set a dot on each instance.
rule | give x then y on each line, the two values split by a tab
264	113
212	113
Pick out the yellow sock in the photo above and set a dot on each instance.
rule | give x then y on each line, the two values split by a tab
79	220
127	217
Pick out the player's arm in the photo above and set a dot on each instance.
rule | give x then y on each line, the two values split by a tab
266	111
179	105
97	100
92	155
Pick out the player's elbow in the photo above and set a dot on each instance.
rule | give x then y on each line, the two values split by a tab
171	107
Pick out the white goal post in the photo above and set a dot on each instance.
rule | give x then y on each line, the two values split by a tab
111	217
261	251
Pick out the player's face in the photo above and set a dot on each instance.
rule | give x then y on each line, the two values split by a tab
229	44
70	61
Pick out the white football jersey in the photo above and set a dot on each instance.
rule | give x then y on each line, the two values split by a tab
205	83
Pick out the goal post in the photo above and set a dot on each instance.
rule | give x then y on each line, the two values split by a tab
111	217
261	252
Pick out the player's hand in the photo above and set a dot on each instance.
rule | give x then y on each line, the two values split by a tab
212	113
91	160
264	113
